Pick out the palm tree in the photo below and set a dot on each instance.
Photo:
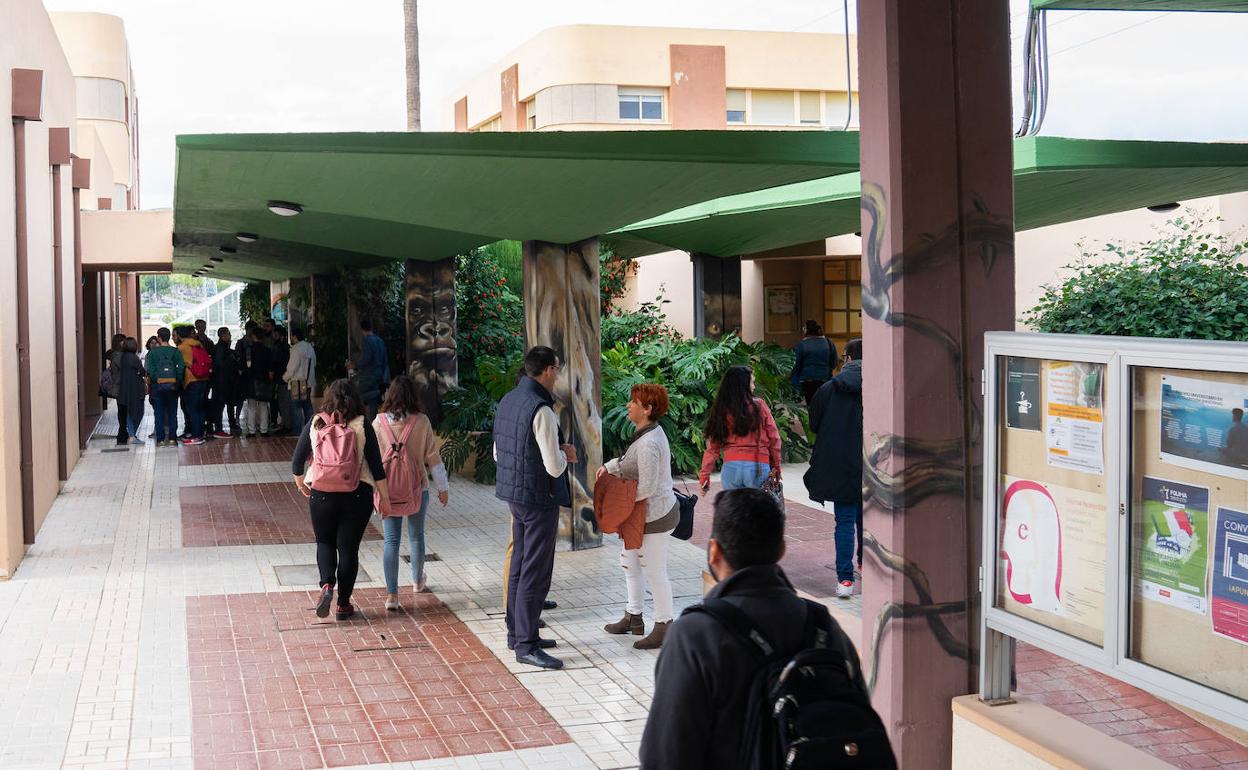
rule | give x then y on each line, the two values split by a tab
411	40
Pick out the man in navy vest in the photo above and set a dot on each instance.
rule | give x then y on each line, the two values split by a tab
531	478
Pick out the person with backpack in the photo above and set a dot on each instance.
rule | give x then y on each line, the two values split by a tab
300	377
165	368
131	391
194	383
814	358
836	463
740	425
756	676
110	377
408	448
337	466
648	461
224	383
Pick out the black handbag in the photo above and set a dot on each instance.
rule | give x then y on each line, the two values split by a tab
684	528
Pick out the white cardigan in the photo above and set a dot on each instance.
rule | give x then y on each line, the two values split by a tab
648	461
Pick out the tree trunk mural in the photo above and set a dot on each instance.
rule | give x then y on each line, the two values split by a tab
561	311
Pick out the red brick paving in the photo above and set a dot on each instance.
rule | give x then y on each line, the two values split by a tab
247	514
1118	709
238	450
809	543
383	687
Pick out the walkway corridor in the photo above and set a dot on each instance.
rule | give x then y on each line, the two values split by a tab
163	620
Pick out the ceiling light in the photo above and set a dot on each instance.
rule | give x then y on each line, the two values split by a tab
247	237
1162	208
285	208
209	266
228	250
216	259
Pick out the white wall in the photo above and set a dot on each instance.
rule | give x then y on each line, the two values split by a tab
671	273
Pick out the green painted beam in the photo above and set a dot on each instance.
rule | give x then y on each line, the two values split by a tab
1055	180
368	198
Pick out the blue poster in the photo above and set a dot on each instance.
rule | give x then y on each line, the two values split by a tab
1203	427
1230	575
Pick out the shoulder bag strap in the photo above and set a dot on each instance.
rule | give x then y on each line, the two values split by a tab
736	621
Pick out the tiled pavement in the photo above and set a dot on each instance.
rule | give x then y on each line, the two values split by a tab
247	514
122	647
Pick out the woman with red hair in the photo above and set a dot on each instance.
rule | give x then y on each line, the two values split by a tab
648	461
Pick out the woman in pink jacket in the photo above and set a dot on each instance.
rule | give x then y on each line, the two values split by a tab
740	426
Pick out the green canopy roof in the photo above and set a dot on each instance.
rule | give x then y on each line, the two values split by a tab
370	198
1055	180
1141	5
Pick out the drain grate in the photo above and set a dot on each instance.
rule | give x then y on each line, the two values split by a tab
116	449
430	556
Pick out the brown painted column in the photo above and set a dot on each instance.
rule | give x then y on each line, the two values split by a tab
58	156
81	179
432	360
27	106
561	310
717	295
938	271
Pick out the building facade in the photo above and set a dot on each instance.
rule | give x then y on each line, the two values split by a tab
72	147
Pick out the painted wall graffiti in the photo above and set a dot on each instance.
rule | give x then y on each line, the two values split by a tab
432	360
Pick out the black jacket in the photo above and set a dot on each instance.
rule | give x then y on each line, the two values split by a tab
704	673
521	477
836	417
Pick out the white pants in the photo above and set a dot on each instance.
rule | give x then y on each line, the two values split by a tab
648	564
257	416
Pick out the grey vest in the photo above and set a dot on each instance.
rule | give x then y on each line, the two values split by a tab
522	476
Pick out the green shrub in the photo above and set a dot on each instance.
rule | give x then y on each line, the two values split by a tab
1188	283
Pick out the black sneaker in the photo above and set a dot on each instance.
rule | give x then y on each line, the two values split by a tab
344	613
541	659
322	604
549	605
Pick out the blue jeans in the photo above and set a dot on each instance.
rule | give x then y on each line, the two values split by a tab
132	422
743	474
393	527
166	401
848	525
193	403
301	414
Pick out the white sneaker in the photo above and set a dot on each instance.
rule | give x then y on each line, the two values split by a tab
845	589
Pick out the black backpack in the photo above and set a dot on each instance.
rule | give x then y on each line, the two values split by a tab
806	709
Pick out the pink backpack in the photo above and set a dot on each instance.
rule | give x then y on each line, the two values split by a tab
402	480
336	456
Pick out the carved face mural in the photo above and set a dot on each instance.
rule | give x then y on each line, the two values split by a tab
431	329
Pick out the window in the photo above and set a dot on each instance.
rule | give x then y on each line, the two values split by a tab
735	101
101	98
641	105
530	111
771	108
842	300
809	107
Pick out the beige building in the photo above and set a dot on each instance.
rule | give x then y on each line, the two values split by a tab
72	146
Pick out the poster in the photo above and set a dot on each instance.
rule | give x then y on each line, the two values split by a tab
1174	551
1202	426
1230	575
1074	418
1053	549
1022	393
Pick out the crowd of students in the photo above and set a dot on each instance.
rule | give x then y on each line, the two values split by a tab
261	385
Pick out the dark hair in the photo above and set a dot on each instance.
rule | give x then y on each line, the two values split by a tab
853	348
199	321
1237	414
734	407
280	331
130	345
653	396
118	338
343	399
748	524
222	331
163	333
296	332
184	331
249	326
813	329
401	397
148	345
366	324
539	359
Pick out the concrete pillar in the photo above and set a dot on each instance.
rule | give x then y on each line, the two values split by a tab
561	310
81	179
938	271
432	359
58	157
716	295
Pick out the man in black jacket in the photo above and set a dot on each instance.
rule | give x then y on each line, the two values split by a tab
836	464
703	677
224	383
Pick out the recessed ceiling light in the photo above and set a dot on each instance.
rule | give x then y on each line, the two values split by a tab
285	208
1162	208
247	237
209	266
228	250
216	259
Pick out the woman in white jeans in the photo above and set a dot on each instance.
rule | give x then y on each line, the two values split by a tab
648	461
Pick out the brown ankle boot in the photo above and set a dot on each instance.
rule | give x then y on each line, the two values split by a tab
629	624
655	640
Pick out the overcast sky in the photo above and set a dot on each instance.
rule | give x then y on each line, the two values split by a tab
316	65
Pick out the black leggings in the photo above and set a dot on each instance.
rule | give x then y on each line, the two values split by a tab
339	520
